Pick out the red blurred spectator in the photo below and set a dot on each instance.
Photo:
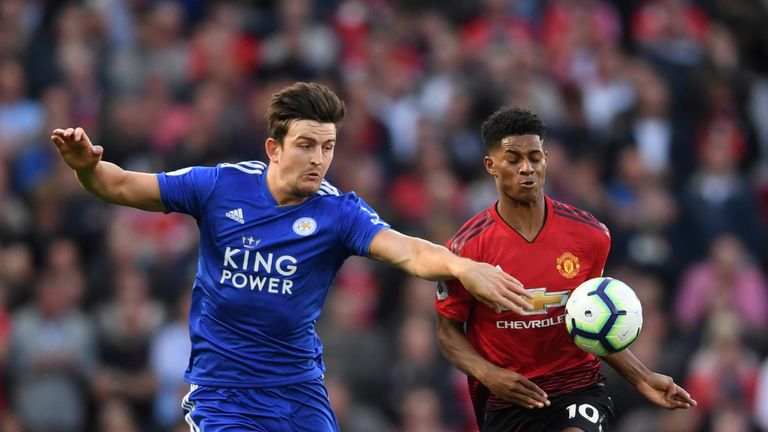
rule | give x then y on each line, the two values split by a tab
497	23
572	29
657	20
723	372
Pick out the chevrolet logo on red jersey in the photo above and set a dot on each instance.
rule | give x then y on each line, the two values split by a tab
543	300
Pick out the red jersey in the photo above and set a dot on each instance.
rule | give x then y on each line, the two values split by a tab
571	247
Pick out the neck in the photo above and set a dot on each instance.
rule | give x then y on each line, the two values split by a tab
279	188
527	218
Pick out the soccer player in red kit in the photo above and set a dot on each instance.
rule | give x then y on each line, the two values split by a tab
525	374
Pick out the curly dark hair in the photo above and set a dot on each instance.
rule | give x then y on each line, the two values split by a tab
511	121
303	101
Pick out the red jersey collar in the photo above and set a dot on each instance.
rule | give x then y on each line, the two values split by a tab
548	216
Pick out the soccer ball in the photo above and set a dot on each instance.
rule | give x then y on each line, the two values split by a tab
603	316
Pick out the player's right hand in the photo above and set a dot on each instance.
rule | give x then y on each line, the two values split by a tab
494	288
76	149
513	387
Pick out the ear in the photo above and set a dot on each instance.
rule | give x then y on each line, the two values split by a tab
273	149
489	166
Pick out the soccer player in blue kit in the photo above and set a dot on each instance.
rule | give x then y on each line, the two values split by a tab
272	237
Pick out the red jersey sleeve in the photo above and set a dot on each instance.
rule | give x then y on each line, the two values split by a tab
453	300
602	248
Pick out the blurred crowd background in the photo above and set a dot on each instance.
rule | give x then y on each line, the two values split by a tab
658	125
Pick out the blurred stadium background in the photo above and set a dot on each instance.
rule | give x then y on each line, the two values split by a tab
658	125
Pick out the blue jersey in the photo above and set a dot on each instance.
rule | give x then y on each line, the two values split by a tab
263	272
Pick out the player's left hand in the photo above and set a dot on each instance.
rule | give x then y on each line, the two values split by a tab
662	390
76	148
493	287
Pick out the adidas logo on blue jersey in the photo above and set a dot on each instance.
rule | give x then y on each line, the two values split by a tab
236	215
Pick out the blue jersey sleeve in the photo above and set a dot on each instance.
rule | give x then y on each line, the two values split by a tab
358	224
187	189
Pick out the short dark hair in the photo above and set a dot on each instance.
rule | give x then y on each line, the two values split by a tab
511	121
303	101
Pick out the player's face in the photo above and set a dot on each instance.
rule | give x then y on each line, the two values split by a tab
304	156
518	165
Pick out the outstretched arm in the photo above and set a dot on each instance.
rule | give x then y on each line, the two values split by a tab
657	388
505	384
424	259
105	180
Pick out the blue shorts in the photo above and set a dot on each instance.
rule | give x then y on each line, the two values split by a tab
296	407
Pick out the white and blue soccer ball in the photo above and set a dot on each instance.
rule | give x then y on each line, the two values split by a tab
603	316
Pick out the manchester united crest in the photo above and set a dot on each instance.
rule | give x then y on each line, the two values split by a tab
568	265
